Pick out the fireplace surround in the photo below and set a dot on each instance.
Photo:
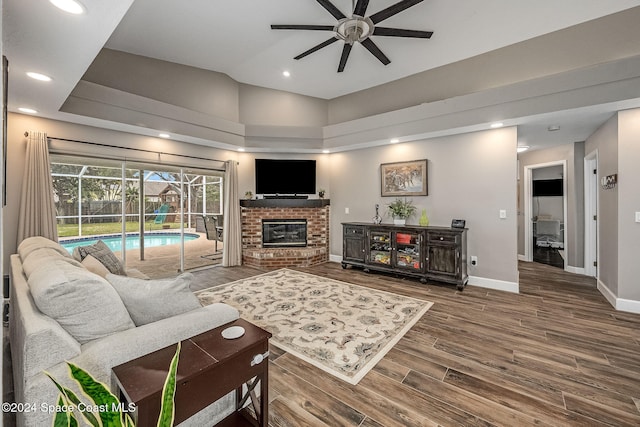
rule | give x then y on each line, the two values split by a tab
314	212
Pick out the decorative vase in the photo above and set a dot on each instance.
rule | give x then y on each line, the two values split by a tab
377	219
399	221
424	219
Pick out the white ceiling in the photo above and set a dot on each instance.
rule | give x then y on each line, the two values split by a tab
234	37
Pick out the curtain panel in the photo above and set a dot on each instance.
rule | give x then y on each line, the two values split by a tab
37	206
232	226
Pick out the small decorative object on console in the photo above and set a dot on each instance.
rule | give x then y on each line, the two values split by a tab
458	223
377	219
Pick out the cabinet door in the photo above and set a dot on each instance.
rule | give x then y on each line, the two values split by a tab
353	244
380	247
408	250
443	260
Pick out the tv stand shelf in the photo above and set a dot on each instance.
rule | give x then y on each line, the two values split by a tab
285	203
435	253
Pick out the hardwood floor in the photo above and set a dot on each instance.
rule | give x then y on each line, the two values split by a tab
556	354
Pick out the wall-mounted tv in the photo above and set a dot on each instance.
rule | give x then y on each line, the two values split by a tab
285	176
547	187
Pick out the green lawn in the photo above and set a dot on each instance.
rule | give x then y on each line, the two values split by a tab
71	230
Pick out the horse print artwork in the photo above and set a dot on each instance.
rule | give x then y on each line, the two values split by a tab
404	178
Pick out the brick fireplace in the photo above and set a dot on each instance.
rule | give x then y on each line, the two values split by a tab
316	214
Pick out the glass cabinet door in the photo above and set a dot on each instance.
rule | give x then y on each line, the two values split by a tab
380	247
408	249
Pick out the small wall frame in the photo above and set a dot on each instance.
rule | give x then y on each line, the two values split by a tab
404	178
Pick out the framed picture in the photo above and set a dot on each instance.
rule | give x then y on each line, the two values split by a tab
404	178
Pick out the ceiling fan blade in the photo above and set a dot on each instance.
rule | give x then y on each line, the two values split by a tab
302	27
346	50
392	10
375	50
317	47
331	9
361	7
397	32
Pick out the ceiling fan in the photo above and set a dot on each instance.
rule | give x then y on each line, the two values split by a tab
358	28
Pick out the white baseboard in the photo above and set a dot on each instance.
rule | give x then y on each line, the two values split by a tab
621	304
574	270
499	285
521	258
335	258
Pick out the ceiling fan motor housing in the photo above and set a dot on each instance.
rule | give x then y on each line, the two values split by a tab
354	29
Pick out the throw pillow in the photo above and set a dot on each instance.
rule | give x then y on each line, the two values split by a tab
83	303
152	300
93	265
100	251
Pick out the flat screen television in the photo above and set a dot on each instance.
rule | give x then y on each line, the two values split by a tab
547	187
285	176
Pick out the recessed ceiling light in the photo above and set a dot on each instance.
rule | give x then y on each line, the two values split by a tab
286	73
553	128
70	6
38	76
394	140
522	148
28	110
240	149
497	125
164	135
326	151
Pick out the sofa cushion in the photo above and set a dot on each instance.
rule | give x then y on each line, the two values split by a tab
83	303
152	300
43	256
35	243
92	264
102	253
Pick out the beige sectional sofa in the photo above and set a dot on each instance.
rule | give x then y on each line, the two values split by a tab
88	325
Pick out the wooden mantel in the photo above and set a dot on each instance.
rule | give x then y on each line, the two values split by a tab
284	203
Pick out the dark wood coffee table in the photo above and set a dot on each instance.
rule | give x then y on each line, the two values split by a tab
210	366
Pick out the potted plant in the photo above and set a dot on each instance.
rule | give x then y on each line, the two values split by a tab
321	193
248	195
401	210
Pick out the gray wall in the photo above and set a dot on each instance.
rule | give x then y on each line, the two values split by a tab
605	141
575	196
470	176
629	204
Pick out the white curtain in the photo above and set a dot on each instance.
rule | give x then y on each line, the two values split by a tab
37	207
232	225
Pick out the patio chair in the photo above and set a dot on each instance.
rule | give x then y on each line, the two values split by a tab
213	232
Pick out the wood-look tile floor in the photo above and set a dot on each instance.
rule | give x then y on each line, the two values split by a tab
556	354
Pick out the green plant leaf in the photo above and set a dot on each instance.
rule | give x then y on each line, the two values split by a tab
167	409
62	419
99	394
69	399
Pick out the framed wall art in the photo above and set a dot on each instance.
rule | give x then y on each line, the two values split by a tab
404	178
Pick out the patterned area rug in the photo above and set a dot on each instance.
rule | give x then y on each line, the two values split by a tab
341	328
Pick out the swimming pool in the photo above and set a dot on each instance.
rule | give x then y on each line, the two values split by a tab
114	241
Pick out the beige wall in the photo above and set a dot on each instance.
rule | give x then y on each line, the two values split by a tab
575	196
629	204
605	141
19	123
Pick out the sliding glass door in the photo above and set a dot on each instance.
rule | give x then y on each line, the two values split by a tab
154	218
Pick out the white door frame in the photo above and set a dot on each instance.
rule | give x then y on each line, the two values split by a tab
591	226
528	217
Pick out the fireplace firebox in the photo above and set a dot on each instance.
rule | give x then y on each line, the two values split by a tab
284	233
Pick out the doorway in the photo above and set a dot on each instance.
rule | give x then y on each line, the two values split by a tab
591	214
545	206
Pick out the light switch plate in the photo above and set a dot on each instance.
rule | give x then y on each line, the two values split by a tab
637	216
503	213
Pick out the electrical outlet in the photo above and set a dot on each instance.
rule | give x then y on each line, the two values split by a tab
346	210
503	213
474	260
637	216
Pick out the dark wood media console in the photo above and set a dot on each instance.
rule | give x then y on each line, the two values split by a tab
436	253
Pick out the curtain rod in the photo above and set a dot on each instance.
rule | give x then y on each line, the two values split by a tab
26	134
